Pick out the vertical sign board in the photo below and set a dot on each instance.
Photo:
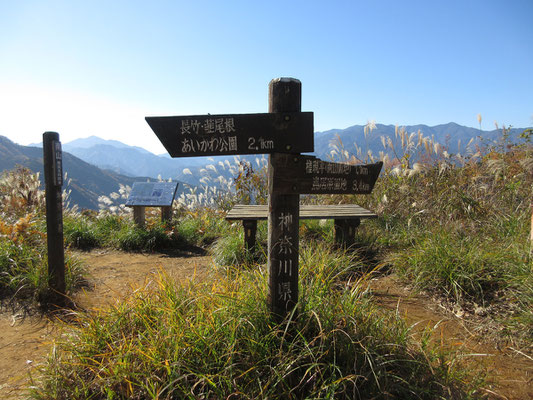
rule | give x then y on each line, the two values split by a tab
57	163
53	176
284	211
284	133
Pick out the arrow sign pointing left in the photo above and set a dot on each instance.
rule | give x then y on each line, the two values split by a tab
232	134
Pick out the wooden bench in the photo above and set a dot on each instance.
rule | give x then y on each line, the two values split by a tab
347	218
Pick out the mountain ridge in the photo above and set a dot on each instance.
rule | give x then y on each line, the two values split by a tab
87	182
118	162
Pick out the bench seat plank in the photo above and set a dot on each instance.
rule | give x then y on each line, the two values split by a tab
245	212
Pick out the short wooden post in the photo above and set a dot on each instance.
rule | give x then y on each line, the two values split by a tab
250	231
283	219
340	231
139	215
166	214
53	178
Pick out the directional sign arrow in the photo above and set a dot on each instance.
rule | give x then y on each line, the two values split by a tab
232	134
310	175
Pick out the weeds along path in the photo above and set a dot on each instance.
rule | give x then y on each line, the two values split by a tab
509	373
25	340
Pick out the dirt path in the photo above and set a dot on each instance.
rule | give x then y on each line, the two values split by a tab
509	372
25	341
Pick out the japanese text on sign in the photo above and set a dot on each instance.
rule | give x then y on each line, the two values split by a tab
209	145
285	247
57	163
205	144
207	126
202	135
319	167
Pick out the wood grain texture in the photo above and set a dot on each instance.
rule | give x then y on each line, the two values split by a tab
285	95
342	211
54	217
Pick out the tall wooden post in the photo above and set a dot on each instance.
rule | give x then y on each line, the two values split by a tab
285	95
53	177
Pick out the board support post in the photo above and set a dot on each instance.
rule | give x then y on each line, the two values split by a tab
166	214
139	215
283	220
53	178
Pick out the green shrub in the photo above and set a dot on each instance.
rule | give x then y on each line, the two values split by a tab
79	233
24	271
229	250
133	238
189	231
461	267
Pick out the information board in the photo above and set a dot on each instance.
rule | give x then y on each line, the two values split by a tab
310	175
152	194
232	134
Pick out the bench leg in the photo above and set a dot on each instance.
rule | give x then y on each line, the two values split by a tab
345	231
250	230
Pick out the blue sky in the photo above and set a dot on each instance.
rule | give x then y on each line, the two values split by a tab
86	68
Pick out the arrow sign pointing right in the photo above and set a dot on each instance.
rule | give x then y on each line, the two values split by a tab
310	175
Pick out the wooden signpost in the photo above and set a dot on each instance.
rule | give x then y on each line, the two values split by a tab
283	133
53	178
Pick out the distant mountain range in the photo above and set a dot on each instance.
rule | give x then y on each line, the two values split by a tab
131	160
135	161
452	136
120	163
88	182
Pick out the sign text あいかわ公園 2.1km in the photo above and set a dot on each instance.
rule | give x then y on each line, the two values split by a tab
217	135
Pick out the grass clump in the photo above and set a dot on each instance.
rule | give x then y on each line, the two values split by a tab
462	268
230	249
458	225
79	233
215	339
23	248
24	263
